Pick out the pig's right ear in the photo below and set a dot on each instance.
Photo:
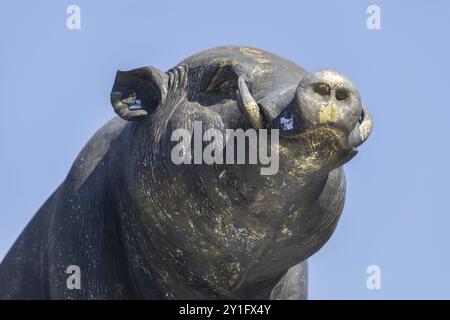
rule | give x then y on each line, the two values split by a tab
137	92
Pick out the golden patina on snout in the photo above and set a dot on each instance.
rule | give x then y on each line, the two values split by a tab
327	98
329	113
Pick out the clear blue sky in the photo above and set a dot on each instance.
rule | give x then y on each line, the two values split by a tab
55	85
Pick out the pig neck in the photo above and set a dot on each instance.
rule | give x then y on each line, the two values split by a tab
152	249
152	265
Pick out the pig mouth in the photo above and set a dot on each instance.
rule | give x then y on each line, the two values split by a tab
357	136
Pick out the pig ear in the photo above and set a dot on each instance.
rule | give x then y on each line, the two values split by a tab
137	92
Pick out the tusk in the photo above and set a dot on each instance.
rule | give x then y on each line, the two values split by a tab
249	105
122	109
362	131
366	126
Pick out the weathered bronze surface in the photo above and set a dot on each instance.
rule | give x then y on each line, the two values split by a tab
140	226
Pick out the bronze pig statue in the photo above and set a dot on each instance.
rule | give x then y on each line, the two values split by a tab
135	225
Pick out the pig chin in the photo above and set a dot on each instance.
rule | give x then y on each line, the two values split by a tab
317	150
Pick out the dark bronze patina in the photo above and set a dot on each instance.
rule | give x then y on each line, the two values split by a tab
139	226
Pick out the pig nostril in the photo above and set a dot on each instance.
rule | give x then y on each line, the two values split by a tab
322	88
341	94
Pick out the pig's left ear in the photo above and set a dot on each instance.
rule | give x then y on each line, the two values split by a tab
137	92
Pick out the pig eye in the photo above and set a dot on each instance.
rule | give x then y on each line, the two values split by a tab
322	88
341	94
